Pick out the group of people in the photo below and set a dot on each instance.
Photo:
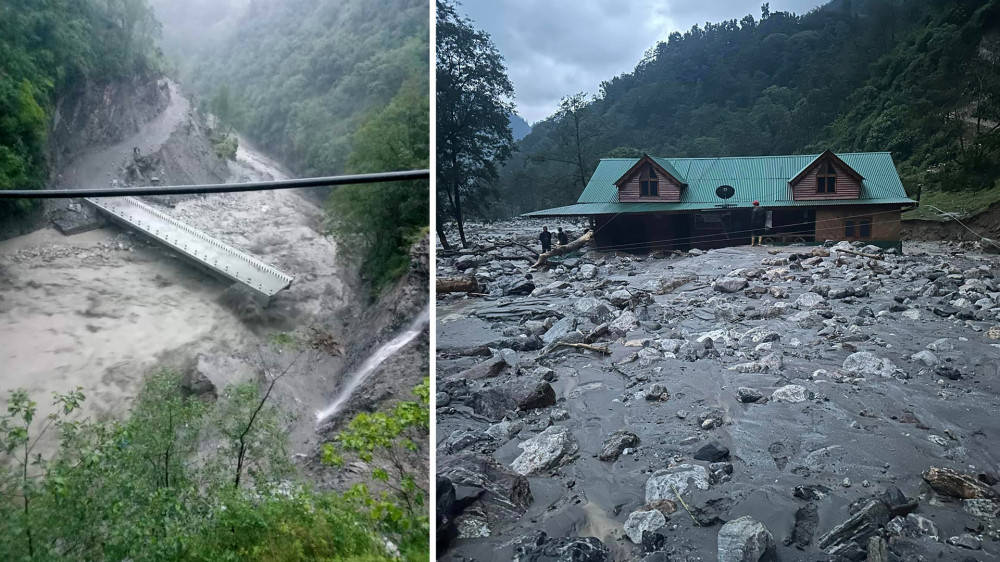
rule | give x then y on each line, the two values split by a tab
546	238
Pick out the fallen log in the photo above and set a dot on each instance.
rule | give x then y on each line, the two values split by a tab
560	250
872	256
599	349
457	285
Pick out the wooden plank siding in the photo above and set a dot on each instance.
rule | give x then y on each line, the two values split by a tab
885	223
848	187
669	190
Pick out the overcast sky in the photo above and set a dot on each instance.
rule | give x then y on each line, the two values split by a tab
554	48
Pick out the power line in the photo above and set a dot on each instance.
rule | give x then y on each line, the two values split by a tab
216	188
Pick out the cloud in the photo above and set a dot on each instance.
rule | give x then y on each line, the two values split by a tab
554	48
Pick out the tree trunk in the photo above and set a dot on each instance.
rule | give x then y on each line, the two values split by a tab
560	250
441	235
458	218
457	285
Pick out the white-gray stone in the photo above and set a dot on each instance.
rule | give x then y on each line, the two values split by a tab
623	324
866	363
744	540
683	476
790	393
546	450
588	271
808	300
644	520
926	357
730	284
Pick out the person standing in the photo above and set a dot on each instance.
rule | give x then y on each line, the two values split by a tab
758	217
561	236
546	239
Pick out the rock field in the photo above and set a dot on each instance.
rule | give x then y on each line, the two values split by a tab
740	404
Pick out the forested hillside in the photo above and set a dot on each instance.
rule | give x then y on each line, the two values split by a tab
296	77
47	47
919	78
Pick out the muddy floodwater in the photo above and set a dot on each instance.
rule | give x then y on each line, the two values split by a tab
100	309
795	385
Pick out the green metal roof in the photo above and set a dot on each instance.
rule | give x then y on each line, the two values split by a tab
755	178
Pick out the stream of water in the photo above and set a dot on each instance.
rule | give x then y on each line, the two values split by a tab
368	367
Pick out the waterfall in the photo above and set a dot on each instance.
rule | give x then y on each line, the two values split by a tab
368	367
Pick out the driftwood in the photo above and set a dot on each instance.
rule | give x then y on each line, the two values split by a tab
457	285
872	256
599	349
560	250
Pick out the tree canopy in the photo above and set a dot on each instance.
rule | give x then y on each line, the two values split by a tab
917	78
473	108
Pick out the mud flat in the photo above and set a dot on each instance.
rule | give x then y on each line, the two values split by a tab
813	390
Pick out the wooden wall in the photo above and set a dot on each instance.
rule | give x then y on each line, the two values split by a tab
847	186
886	225
669	190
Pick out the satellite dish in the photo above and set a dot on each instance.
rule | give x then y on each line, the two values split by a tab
725	191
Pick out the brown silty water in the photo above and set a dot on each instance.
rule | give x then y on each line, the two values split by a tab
99	310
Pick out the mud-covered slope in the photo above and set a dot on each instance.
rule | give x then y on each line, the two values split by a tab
810	389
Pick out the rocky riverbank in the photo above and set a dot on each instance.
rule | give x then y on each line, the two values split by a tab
808	403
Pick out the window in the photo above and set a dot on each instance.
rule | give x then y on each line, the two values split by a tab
826	180
649	184
858	228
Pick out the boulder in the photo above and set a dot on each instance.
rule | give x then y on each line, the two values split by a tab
955	484
496	402
484	492
850	538
808	300
730	284
588	271
643	521
570	549
913	526
660	485
545	451
559	330
466	262
926	357
712	452
744	540
623	324
866	363
616	442
790	393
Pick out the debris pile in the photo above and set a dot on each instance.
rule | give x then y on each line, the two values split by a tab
743	402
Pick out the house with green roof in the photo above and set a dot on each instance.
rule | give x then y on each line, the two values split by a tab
682	203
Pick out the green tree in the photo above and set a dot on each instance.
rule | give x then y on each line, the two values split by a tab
376	224
474	102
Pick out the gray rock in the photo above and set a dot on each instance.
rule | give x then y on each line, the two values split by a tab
744	540
865	363
770	363
730	284
943	344
642	521
497	401
623	324
655	392
913	526
588	271
442	399
808	300
790	393
984	509
620	298
966	540
545	451
748	395
851	536
461	439
683	476
559	330
596	310
486	489
926	357
466	262
505	430
574	549
616	442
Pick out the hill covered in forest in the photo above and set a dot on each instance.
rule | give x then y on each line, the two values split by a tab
918	78
297	77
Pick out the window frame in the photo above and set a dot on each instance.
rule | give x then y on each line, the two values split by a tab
649	182
865	223
849	228
826	178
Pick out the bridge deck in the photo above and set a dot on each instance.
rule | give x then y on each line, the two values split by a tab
202	248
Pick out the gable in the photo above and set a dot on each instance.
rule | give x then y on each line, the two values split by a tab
826	177
648	180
